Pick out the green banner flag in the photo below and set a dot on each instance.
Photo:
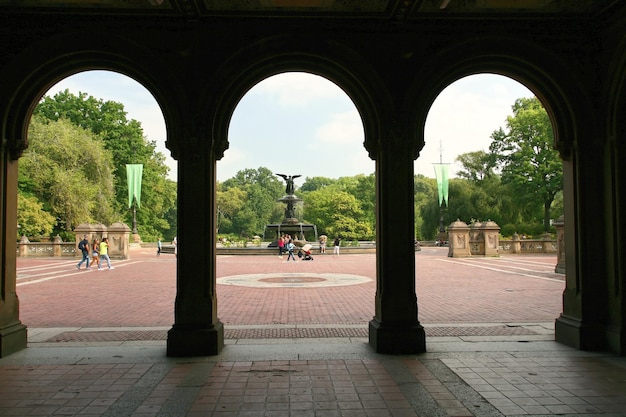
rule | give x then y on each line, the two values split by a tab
133	174
441	174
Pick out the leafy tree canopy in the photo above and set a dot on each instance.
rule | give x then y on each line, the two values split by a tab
68	169
31	218
526	151
124	143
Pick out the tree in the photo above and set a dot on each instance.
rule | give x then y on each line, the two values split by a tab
316	183
258	207
424	193
124	139
67	169
476	166
31	218
530	164
229	203
337	213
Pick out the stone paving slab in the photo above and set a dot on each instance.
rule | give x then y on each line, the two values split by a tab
297	346
510	291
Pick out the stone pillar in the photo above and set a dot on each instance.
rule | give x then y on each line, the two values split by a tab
24	246
459	244
585	300
57	248
119	235
395	328
516	245
12	331
196	330
93	231
491	237
559	224
477	239
547	242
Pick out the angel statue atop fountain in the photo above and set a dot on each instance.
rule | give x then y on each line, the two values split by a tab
289	179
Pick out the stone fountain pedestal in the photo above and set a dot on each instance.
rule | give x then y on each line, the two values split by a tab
290	224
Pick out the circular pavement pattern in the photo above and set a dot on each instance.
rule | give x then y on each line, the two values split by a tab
290	280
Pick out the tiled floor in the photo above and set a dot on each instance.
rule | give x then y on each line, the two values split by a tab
490	351
318	378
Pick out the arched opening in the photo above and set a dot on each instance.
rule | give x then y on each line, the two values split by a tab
84	133
295	124
462	170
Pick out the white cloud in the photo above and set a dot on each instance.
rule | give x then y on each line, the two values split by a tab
463	117
343	128
297	89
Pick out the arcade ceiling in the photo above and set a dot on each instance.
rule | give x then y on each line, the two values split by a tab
343	9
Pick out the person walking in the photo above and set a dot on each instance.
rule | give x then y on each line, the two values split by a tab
323	244
336	245
159	246
83	246
281	246
104	253
290	248
95	253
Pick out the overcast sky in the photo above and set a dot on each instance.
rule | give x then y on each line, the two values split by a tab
303	124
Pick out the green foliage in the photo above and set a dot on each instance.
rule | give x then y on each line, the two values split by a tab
248	201
316	183
67	168
31	217
124	143
530	164
337	213
477	166
520	195
508	230
425	193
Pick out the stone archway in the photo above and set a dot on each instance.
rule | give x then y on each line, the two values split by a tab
393	70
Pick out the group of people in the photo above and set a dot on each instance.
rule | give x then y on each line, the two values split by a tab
286	245
99	251
336	244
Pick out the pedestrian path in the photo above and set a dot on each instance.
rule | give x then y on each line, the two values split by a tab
300	347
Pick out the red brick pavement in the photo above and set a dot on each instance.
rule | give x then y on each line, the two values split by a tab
140	292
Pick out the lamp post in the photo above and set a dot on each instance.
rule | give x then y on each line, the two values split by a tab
135	219
441	174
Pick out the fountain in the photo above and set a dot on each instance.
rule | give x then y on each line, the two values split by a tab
290	223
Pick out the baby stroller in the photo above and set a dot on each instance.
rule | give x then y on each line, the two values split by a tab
307	253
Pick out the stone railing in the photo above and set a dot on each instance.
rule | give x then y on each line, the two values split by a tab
46	249
528	246
118	235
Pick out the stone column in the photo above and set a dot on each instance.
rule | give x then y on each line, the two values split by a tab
395	327
585	298
476	239
459	244
491	236
119	236
197	330
559	224
516	245
58	249
12	331
24	246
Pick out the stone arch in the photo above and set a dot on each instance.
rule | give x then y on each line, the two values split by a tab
63	56
615	174
335	63
616	93
561	93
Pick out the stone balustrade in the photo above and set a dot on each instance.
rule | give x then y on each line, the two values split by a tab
118	234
